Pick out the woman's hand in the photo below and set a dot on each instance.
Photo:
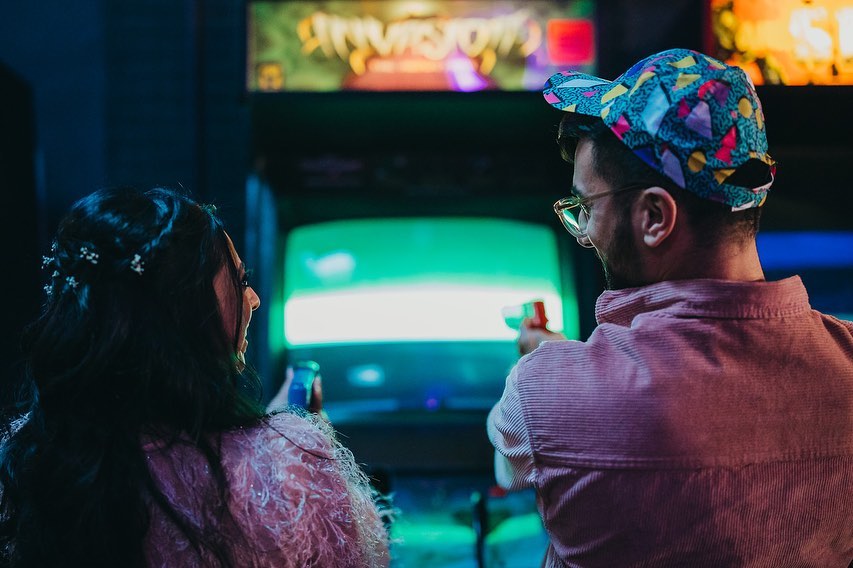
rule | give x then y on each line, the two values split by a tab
281	399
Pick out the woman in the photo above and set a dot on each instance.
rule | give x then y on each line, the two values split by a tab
141	440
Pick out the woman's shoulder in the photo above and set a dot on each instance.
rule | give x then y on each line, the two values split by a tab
280	436
293	491
294	488
284	455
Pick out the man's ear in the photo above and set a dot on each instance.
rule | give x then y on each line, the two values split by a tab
657	212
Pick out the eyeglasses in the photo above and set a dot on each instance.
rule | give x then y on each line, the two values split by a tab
576	223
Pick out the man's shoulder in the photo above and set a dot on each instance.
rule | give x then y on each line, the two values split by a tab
835	320
550	358
559	369
606	341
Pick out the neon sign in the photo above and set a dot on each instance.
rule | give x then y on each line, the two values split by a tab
786	42
380	45
358	38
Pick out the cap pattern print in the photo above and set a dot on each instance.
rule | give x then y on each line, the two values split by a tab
692	118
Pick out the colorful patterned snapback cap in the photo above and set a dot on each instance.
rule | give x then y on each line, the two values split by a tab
692	118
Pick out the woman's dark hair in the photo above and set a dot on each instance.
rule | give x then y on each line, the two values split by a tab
130	344
619	166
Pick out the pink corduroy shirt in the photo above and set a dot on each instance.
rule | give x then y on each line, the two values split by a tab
704	423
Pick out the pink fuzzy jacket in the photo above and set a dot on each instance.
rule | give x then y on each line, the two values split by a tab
296	499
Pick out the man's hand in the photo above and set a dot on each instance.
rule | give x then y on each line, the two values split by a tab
530	337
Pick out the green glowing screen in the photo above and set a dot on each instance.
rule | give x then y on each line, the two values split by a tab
418	279
406	313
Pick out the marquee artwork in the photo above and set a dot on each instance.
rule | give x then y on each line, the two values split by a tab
379	45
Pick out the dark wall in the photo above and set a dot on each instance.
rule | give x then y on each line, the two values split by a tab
58	50
175	109
19	220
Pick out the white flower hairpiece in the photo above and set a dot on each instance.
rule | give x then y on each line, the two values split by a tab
89	255
137	265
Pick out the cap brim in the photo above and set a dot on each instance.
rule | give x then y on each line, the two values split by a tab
580	93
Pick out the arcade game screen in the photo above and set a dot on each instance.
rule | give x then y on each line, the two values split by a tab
406	315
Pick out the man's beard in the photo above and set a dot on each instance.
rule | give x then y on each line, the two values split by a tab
622	268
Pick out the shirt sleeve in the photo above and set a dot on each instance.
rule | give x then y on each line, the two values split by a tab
514	467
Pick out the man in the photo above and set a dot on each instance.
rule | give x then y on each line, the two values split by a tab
708	419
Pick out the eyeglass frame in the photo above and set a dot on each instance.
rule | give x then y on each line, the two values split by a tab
574	201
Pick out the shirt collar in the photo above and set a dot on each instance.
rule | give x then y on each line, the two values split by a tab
705	298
